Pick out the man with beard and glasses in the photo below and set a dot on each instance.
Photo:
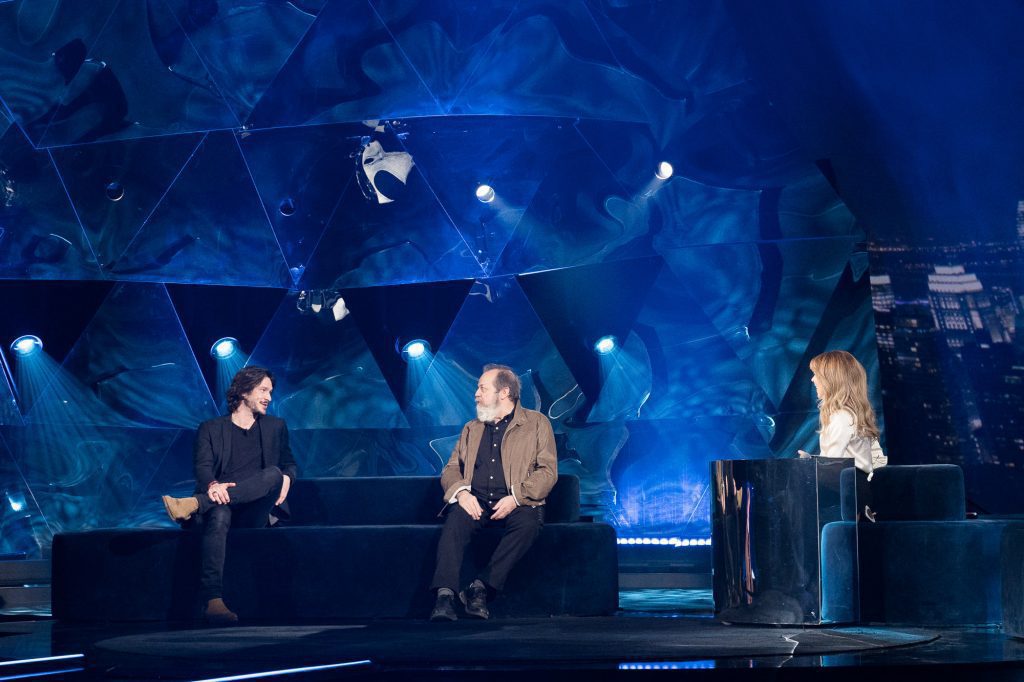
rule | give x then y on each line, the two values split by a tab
244	469
499	474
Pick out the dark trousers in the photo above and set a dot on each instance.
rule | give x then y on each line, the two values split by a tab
252	498
521	527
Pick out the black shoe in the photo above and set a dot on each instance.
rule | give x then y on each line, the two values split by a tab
474	598
443	607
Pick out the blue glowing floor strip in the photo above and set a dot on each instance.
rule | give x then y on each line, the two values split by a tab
44	659
43	674
289	671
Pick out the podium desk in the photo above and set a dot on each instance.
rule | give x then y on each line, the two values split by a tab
771	542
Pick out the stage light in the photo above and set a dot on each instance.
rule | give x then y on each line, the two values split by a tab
115	191
382	175
485	193
224	348
416	348
664	171
26	345
605	345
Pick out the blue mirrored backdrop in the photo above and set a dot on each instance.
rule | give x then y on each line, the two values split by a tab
301	175
239	54
116	186
325	376
41	238
87	476
24	530
43	47
347	67
210	227
375	198
371	452
496	325
132	366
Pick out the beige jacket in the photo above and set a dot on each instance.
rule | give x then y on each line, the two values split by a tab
528	458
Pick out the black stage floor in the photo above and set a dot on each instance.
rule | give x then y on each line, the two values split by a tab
659	641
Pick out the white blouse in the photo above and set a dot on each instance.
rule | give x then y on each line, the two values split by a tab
840	439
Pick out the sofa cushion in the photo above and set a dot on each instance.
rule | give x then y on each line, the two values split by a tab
920	492
395	500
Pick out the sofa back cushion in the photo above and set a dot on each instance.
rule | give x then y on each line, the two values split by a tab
398	500
918	492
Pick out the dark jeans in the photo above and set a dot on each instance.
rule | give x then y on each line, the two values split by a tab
522	527
252	499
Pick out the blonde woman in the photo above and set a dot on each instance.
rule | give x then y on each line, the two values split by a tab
847	422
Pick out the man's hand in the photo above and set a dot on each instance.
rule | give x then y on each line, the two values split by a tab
804	455
286	485
469	504
218	492
503	507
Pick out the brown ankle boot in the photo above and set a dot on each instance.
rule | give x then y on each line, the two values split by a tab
180	508
217	613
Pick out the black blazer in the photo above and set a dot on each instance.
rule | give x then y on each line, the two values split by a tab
213	449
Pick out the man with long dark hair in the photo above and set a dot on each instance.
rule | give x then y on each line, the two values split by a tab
244	468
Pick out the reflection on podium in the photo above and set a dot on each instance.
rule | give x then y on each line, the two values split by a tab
771	544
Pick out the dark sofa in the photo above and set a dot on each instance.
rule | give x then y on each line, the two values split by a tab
353	548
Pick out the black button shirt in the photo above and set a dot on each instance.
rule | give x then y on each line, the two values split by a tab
488	475
246	453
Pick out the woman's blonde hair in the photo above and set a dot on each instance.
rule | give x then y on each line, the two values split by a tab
843	385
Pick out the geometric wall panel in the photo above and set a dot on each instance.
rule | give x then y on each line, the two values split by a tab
325	376
42	47
87	476
115	186
580	78
142	77
444	40
347	67
409	240
496	324
222	36
301	174
23	527
131	366
210	227
41	236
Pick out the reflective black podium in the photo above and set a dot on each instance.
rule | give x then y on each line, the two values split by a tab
767	523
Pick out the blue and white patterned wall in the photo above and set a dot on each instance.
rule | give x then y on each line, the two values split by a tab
173	172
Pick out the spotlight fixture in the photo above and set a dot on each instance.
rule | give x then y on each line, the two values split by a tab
416	348
224	348
27	345
664	171
605	345
382	175
485	193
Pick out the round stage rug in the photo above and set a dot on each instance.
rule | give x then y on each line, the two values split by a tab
488	642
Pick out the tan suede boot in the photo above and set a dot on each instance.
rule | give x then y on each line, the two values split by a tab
180	508
217	613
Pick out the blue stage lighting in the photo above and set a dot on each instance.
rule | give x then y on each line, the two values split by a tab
26	345
485	193
224	348
415	349
605	345
664	171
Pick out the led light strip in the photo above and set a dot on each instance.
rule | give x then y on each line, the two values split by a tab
288	671
44	659
667	542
